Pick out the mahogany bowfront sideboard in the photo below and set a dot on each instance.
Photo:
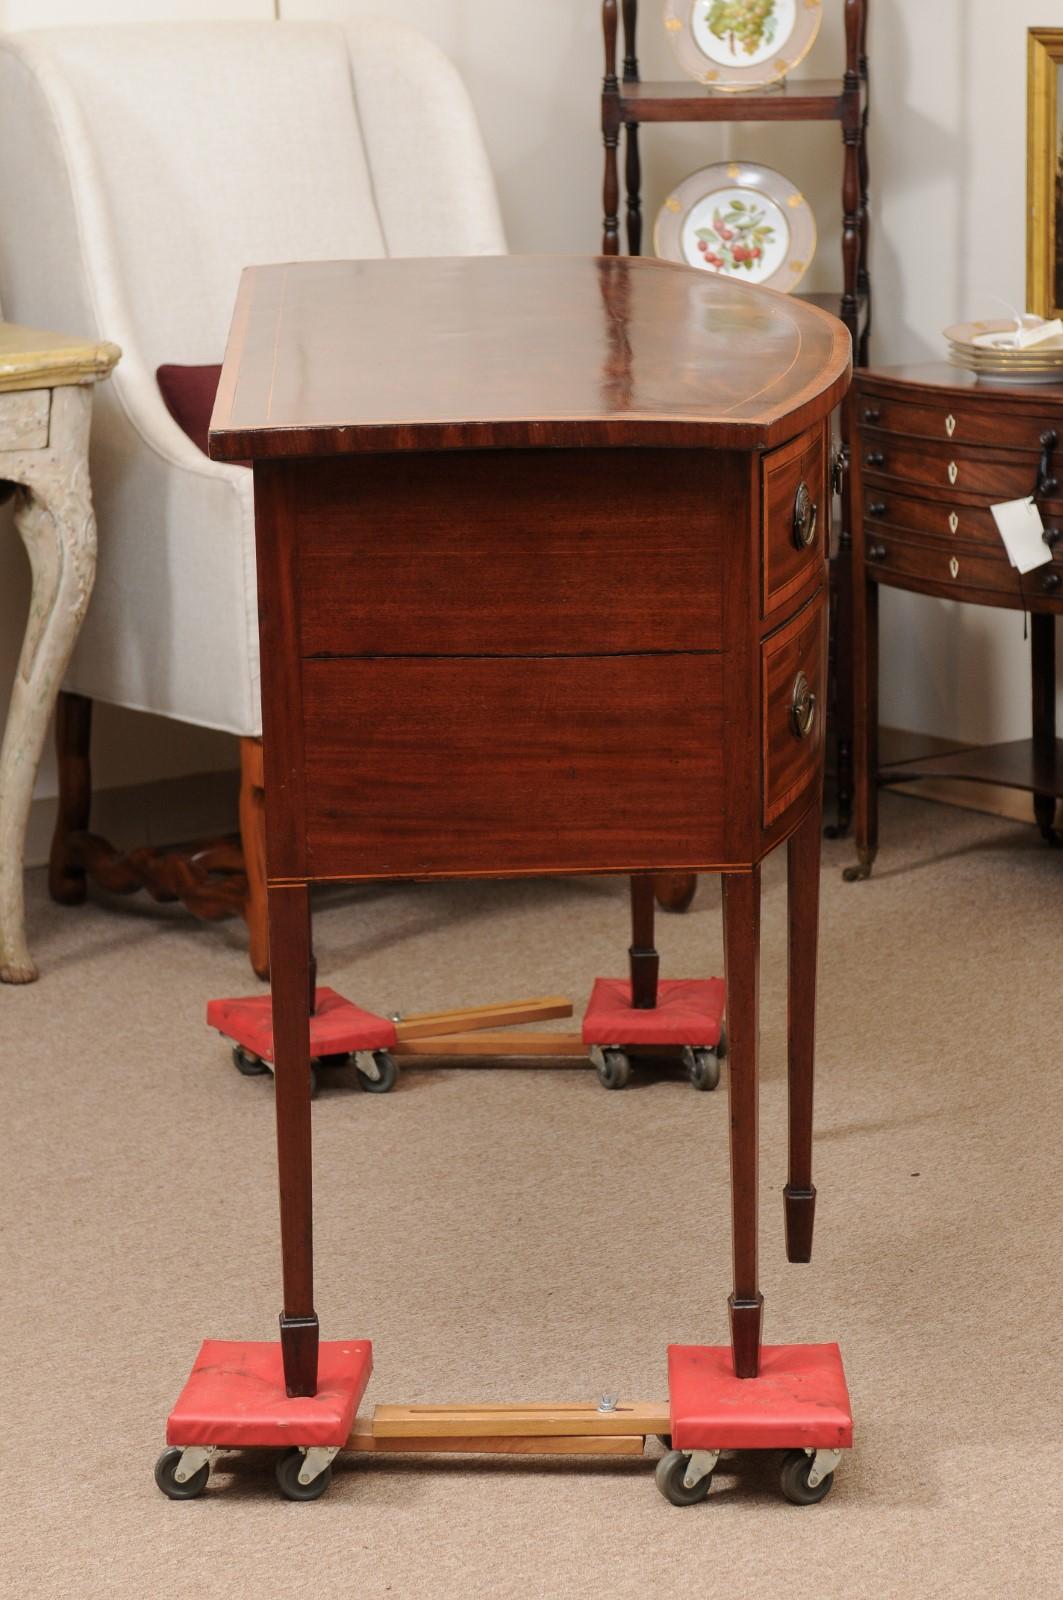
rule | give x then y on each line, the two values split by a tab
542	588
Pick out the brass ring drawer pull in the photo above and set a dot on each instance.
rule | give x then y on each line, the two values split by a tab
802	708
806	515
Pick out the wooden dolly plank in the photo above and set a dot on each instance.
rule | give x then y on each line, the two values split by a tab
494	1044
540	1422
365	1441
507	1014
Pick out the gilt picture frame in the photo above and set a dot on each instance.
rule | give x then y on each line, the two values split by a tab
1044	172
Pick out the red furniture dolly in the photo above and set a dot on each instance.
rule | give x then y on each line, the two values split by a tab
338	1030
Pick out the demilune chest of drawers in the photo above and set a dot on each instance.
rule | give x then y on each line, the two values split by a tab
933	450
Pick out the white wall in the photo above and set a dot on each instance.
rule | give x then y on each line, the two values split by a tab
948	168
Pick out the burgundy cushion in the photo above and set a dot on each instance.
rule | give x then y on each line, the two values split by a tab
189	395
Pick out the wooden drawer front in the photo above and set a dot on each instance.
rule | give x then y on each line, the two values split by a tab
796	653
997	474
953	418
497	765
795	476
963	572
885	509
628	556
24	420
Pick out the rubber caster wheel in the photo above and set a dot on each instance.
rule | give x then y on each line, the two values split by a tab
671	1470
615	1070
287	1474
340	1059
793	1479
388	1069
166	1467
704	1069
250	1066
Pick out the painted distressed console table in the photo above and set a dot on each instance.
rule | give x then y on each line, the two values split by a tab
46	382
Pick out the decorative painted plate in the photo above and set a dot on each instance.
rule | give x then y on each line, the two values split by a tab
741	220
741	44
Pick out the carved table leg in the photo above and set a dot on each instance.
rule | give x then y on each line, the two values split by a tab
290	965
54	517
741	932
675	890
803	863
73	735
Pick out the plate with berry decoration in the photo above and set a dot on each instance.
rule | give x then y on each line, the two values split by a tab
740	220
741	44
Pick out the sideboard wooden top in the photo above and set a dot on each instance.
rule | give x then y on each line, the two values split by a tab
480	352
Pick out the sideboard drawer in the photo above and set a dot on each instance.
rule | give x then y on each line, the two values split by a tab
998	474
794	678
796	518
944	569
957	421
24	419
945	519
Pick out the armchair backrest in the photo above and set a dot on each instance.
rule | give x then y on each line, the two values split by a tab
142	167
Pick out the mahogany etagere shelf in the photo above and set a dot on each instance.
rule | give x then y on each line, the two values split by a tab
627	103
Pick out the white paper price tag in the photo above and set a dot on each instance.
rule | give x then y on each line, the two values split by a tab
1020	526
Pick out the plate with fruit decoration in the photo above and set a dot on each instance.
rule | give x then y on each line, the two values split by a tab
740	220
741	44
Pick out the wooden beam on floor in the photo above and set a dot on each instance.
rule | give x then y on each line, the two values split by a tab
494	1044
627	1419
507	1014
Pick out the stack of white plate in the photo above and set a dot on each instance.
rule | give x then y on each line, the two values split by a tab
989	349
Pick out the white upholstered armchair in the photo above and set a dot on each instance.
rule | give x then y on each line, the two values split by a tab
141	168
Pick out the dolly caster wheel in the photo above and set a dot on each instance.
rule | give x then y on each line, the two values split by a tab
249	1065
703	1065
166	1476
287	1474
794	1476
387	1074
672	1473
614	1069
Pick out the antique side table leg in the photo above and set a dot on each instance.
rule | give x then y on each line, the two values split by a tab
803	864
741	932
865	713
54	517
290	969
1043	670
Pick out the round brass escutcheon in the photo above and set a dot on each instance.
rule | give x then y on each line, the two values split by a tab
802	707
806	514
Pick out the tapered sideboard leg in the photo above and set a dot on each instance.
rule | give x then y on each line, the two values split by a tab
803	864
290	968
741	930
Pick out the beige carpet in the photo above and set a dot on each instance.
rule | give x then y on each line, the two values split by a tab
514	1234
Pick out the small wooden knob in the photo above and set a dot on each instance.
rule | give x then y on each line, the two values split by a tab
876	552
1050	582
877	508
872	415
875	458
